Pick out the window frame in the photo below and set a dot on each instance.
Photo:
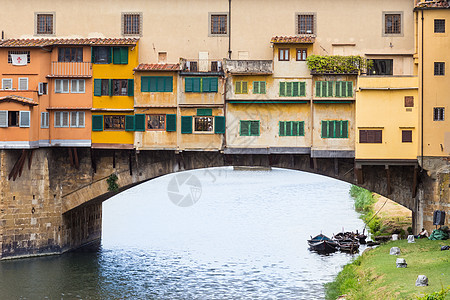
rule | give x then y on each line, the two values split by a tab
378	65
210	24
300	125
95	50
298	30
37	15
62	91
22	79
139	26
439	113
290	86
282	57
407	136
241	87
249	128
27	52
65	55
210	120
77	91
17	118
61	119
439	68
42	88
372	136
45	119
439	25
147	122
7	80
385	15
77	122
112	117
303	54
259	87
334	136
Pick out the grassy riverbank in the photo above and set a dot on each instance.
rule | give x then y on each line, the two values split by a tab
374	274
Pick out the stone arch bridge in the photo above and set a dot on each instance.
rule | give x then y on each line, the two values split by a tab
50	198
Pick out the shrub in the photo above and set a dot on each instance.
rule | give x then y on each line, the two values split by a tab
112	183
337	64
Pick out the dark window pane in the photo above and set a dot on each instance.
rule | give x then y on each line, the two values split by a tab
439	26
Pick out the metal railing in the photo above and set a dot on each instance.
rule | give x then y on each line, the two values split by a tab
71	68
201	65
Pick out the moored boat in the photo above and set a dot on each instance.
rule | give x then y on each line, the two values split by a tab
322	244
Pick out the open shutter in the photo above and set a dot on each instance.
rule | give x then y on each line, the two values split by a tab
3	118
282	128
186	124
318	89
301	128
124	55
139	122
97	87
189	85
129	123
110	86
206	85
219	124
145	84
130	91
92	55
110	54
349	89
24	119
295	89
97	123
196	87
168	84
345	129
282	89
245	128
214	84
171	122
116	55
324	129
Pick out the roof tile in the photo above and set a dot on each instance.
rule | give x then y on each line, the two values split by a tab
57	42
293	39
20	99
158	67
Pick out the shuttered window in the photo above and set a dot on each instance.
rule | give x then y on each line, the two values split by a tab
171	122
259	87
334	129
61	85
139	121
186	124
292	128
156	84
61	119
344	89
23	83
77	119
77	86
130	123
406	136
324	88
219	124
241	87
120	55
249	128
371	136
101	55
7	83
201	85
44	119
97	123
3	118
24	119
292	89
204	112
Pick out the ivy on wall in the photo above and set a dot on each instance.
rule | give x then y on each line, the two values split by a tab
336	64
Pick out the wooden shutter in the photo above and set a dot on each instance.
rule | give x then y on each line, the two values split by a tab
129	123
145	84
110	86
302	92
97	87
219	124
130	91
301	128
406	136
244	87
97	123
295	128
289	128
214	84
153	84
116	55
256	88
409	101
319	89
244	128
332	129
186	124
24	119
363	136
370	136
92	55
238	88
344	127
206	85
171	122
282	89
324	129
262	87
295	89
329	88
168	84
160	84
110	53
289	89
282	128
339	88
189	85
196	87
3	118
254	127
204	111
139	122
124	55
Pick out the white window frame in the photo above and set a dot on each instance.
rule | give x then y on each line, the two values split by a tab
77	116
5	115
75	86
44	119
22	118
203	131
62	91
4	80
42	88
60	115
22	79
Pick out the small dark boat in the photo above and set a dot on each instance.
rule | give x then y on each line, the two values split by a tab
349	246
322	244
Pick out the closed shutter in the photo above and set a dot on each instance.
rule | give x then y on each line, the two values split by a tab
204	112
189	85
406	136
282	128
92	55
349	89
331	129
81	119
363	136
160	84
97	123
196	85
153	84
324	129
110	53
65	119
129	123
289	128
339	85
262	87
219	124
282	89
124	55
295	128
206	85
171	122
73	119
238	88
117	55
256	88
168	84
302	89
23	83
214	81
295	89
301	128
345	130
145	84
329	88
43	124
3	118
244	128
130	91
254	127
319	89
244	87
24	119
289	89
139	122
186	124
97	87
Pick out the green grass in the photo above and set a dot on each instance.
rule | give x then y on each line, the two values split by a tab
375	276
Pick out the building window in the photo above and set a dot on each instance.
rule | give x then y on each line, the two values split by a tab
201	84
7	83
61	119
120	87
204	124
156	84
77	86
259	87
42	88
392	23
113	87
409	101
77	119
406	136
283	54
70	54
439	68
44	119
334	129
101	55
114	122
305	24
370	136
240	87
292	89
156	122
439	25
219	24
18	52
249	128
292	128
324	88
61	85
381	67
23	83
132	23
45	23
344	89
301	55
13	119
438	114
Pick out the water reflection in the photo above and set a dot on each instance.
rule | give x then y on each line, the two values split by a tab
244	238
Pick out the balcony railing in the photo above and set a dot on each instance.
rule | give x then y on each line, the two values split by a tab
71	69
201	66
249	66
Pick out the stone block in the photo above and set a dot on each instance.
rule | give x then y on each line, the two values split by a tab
401	263
394	251
422	280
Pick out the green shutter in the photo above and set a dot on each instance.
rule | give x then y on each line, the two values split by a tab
349	89
92	55
145	84
295	128
130	91
244	129
219	124
116	55
302	92
160	84
289	89
289	128
238	88
204	111
129	123
301	128
97	123
344	129
282	89
282	128
333	128
110	86
254	127
262	87
329	88
139	122
97	87
295	89
205	85
124	55
171	122
168	84
214	81
324	129
196	87
110	55
153	84
256	87
318	88
244	87
339	85
188	85
186	124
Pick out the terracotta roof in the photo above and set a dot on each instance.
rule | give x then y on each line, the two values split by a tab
19	99
158	67
433	4
57	42
293	39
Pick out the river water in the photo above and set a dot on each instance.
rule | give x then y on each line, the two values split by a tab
204	234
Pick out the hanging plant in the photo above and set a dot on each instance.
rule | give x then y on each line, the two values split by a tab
112	183
336	64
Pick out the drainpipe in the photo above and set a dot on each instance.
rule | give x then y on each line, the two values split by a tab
229	29
422	85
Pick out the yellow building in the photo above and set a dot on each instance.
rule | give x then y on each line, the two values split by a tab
113	121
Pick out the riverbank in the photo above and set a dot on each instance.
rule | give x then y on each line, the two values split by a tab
374	273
